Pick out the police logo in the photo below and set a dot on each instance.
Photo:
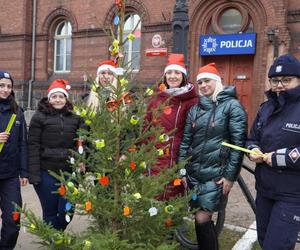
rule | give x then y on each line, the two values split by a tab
278	68
6	75
294	155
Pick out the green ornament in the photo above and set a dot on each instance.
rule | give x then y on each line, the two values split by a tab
100	143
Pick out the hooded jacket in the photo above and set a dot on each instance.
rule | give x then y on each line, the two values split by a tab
208	124
276	128
13	157
51	136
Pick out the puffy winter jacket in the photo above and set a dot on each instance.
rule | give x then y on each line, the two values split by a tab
208	124
51	136
13	157
276	128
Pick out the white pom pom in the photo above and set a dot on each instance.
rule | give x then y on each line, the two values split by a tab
68	87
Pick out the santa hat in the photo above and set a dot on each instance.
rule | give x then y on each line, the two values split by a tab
209	71
59	85
107	65
176	62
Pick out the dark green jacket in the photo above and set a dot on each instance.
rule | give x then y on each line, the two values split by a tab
208	124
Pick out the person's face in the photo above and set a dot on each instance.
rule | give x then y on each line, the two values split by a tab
174	78
283	83
58	100
206	86
5	88
106	78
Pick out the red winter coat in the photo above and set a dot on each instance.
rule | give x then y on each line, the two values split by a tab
175	121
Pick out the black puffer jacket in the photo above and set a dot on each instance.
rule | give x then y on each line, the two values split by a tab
52	135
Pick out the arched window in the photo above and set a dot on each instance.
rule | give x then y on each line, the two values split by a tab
132	48
63	47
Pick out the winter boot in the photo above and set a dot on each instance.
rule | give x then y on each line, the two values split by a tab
206	236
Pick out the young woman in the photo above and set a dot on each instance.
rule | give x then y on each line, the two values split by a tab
210	172
52	134
177	95
275	137
13	161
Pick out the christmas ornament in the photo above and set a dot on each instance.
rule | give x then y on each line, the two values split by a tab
131	37
132	149
149	92
67	218
83	113
194	197
153	211
62	190
80	146
68	206
57	238
88	122
162	87
112	105
164	138
87	245
137	196
104	180
32	227
123	82
182	171
168	222
167	151
143	165
169	209
72	160
15	215
167	110
127	172
88	206
132	165
116	20
126	211
75	191
100	143
160	152
134	119
177	182
95	87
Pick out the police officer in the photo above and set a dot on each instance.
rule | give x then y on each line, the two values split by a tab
275	137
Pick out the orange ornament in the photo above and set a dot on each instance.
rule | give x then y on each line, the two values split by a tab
88	206
162	87
16	215
168	222
132	165
177	182
62	190
167	110
104	180
126	211
167	151
132	149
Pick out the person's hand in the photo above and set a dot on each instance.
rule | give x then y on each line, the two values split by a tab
257	156
184	183
268	158
23	181
82	167
227	185
4	137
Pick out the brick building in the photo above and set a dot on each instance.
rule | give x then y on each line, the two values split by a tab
69	39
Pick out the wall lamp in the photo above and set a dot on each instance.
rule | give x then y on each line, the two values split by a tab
272	38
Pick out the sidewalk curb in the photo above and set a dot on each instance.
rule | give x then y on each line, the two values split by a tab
249	237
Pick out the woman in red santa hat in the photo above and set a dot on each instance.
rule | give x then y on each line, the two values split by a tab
52	131
211	170
105	83
177	95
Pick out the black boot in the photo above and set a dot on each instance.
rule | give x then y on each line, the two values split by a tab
206	236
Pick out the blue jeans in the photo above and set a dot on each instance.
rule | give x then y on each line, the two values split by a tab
53	204
9	193
278	223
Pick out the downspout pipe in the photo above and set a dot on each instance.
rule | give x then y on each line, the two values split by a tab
32	75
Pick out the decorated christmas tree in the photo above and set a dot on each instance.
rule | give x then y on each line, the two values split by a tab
117	191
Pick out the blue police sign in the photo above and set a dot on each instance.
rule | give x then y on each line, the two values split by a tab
231	44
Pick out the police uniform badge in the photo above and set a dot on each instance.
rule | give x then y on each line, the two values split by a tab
294	155
278	68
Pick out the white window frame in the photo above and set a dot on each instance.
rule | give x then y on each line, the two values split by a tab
130	18
67	36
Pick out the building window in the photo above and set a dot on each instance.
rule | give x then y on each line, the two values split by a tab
132	48
62	47
231	21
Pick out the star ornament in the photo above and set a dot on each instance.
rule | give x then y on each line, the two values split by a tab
294	155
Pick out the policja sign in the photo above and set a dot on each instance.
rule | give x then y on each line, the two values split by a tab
229	44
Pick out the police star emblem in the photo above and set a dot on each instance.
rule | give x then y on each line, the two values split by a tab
278	68
294	155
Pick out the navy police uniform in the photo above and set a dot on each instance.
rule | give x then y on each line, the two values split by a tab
277	129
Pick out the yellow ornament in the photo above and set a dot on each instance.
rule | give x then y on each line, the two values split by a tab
143	165
32	227
70	185
149	92
164	138
75	191
137	196
115	43
87	245
88	122
160	152
169	209
95	87
126	211
100	143
83	113
134	120
123	82
131	37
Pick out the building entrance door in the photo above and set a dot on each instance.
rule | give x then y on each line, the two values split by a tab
237	70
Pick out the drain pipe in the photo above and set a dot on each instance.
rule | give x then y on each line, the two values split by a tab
32	76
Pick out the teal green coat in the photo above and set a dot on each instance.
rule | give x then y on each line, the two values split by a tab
208	124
